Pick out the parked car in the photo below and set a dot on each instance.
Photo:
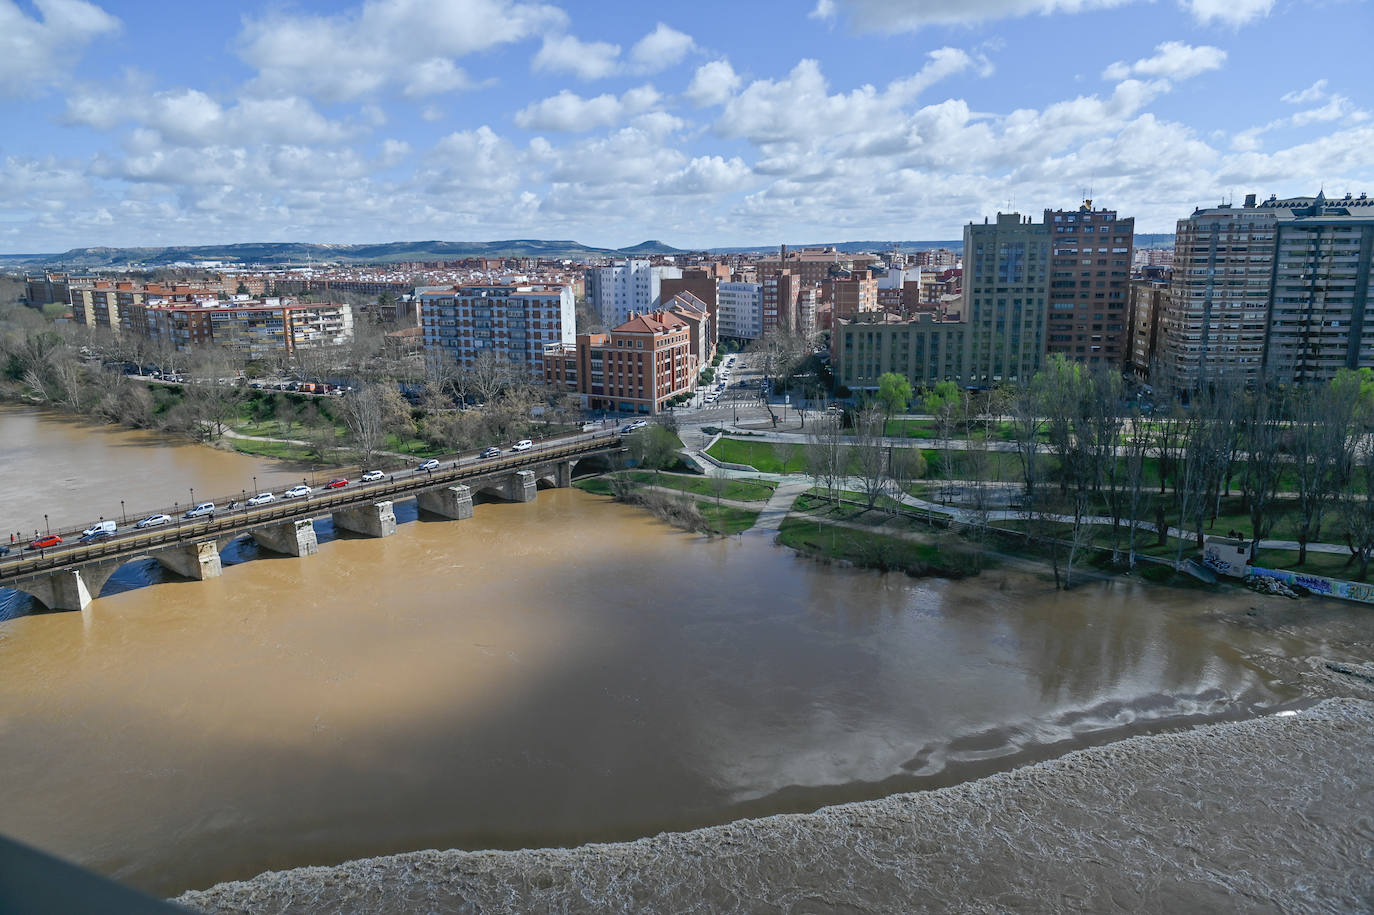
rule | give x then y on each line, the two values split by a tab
523	445
372	475
296	492
201	510
336	483
41	542
490	451
154	521
4	549
96	534
262	498
430	464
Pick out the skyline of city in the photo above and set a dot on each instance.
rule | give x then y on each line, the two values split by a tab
829	121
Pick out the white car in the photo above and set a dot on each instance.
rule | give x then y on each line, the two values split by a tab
295	492
431	464
200	511
154	521
262	498
523	445
372	475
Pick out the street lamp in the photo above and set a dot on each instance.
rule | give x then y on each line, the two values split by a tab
49	526
121	512
193	496
255	486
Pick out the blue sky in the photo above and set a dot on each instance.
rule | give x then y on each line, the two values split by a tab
701	124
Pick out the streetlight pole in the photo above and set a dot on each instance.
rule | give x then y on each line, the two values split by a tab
47	525
122	513
193	496
255	486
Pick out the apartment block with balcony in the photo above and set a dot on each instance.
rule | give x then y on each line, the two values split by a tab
1215	320
516	322
925	349
1090	270
1318	318
739	308
625	288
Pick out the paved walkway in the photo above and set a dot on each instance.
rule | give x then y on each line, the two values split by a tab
779	505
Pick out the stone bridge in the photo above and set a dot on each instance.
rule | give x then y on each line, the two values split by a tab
68	577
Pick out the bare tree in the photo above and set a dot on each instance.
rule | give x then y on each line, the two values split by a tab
1321	417
371	414
826	454
1356	507
870	455
1262	435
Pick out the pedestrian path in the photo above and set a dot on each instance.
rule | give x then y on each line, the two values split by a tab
779	506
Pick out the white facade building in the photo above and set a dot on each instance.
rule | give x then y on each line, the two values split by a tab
739	310
630	286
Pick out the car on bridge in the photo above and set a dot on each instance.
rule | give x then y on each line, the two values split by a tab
201	510
337	483
490	451
523	445
431	464
296	492
262	498
95	535
154	521
42	542
372	475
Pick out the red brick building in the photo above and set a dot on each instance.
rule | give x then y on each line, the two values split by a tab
639	367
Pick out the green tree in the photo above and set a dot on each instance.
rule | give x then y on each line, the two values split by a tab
894	392
654	447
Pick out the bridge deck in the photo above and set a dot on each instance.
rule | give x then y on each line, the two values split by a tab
131	543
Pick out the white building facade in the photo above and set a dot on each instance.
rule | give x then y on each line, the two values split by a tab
625	288
739	310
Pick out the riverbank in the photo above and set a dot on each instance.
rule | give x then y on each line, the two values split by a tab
1264	815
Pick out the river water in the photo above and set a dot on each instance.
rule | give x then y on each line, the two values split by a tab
552	673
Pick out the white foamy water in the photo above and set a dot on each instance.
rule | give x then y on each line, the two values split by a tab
1273	814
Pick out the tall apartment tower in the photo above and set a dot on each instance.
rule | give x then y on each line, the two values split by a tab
1006	273
1214	322
1318	315
629	287
1090	270
779	301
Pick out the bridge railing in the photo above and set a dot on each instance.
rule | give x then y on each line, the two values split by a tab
242	519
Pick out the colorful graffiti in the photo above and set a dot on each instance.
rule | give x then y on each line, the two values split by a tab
1320	584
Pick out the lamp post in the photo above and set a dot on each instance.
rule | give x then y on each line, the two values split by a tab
121	512
193	496
48	526
255	486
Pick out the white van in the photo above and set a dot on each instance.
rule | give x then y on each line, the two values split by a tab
204	508
104	527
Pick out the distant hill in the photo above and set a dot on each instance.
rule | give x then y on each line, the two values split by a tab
284	254
281	254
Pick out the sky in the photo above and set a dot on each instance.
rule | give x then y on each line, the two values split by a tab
703	124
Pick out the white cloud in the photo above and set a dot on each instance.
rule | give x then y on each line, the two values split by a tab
712	84
583	59
189	117
906	16
943	63
352	54
569	112
1313	93
662	48
35	52
1172	60
1227	12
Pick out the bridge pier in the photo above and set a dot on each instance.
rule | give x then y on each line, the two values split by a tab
61	591
563	475
521	486
293	538
375	520
197	561
454	502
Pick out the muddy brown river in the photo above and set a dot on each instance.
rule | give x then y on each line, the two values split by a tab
549	674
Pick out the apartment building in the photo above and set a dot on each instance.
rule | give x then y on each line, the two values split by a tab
638	367
1215	321
1006	271
629	287
104	303
269	329
813	266
1146	300
1317	318
852	294
925	349
779	301
739	310
1090	270
514	321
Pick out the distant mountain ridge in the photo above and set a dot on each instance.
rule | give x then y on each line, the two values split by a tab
284	254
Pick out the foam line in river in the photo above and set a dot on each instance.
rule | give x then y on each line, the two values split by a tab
1271	814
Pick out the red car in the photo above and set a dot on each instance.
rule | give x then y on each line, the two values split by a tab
340	483
50	540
